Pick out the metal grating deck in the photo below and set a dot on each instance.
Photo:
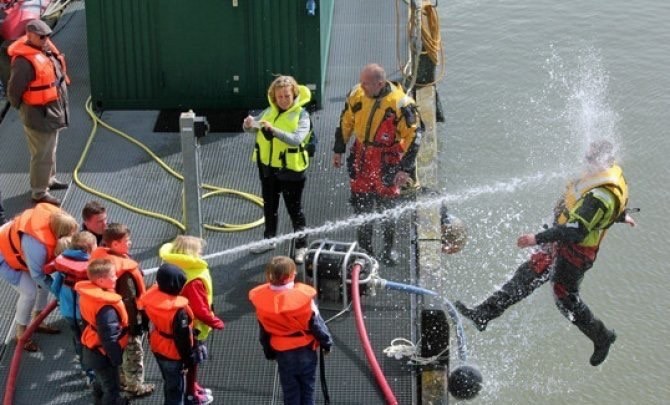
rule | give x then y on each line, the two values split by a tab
236	370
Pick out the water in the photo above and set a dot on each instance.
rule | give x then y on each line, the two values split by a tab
394	213
528	85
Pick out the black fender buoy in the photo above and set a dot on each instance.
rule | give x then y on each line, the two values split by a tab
465	382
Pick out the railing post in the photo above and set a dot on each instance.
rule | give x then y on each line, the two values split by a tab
192	128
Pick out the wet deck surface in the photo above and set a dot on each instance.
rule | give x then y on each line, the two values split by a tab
236	370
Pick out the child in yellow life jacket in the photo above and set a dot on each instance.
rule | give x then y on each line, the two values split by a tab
130	285
290	329
105	335
171	336
70	266
185	252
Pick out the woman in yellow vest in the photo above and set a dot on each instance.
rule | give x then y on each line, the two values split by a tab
171	337
282	133
568	249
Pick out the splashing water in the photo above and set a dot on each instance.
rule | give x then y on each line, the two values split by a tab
587	114
571	111
474	192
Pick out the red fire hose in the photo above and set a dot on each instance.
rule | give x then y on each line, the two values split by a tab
365	341
10	387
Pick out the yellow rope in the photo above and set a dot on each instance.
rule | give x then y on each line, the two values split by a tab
430	33
214	190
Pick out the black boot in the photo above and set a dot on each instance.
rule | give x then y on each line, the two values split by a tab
591	326
364	238
601	348
476	315
521	285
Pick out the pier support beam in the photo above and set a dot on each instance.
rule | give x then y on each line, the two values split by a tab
434	380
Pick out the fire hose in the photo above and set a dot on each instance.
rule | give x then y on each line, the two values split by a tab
10	387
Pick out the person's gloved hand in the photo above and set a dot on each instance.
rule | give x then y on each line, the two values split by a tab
218	324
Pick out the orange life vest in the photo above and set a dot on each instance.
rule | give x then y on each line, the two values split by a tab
44	88
35	222
91	300
73	270
123	265
285	315
161	309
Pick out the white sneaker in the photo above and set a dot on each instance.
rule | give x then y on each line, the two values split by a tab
299	257
263	248
199	399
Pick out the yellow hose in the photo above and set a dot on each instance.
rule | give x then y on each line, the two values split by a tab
214	190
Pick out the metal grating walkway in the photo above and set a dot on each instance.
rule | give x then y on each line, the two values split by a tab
236	371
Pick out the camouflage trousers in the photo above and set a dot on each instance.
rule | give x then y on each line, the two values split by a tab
132	368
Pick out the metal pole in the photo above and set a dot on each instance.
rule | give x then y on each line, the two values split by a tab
191	193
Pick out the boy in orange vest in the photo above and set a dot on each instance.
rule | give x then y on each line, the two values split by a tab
130	285
290	329
171	337
104	337
70	267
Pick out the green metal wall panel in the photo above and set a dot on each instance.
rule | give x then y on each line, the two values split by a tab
155	54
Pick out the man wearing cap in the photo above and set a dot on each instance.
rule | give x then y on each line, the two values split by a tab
38	89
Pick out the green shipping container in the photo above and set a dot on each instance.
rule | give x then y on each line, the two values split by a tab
215	54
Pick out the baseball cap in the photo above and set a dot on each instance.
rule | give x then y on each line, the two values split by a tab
39	27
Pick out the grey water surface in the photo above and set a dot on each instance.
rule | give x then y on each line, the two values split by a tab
528	84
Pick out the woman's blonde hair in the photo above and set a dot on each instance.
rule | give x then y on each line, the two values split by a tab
280	270
62	244
63	224
282	81
188	245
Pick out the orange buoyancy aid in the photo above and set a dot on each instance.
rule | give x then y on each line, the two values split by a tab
122	265
91	300
376	162
285	315
44	88
161	309
73	270
35	222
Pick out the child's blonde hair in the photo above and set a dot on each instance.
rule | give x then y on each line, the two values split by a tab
84	241
280	270
62	244
188	245
100	268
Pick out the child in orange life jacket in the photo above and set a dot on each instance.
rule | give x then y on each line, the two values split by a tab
171	336
185	252
105	335
70	266
290	329
130	286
